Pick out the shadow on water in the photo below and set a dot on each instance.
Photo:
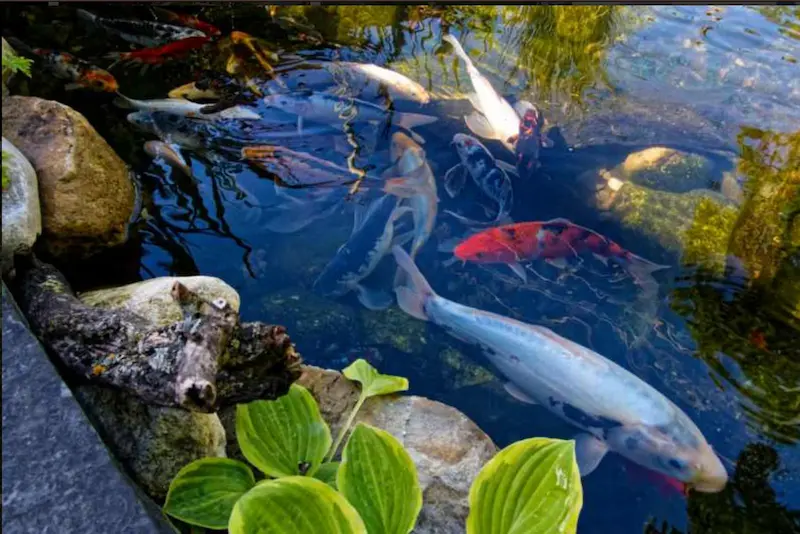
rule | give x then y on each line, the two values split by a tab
718	336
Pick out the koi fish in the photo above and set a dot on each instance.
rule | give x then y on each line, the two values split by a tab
488	173
298	31
371	239
141	32
81	74
493	118
554	241
169	154
617	410
185	108
264	57
416	185
160	54
298	168
336	110
396	83
190	91
184	19
530	139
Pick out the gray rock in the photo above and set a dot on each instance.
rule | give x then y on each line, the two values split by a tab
153	442
448	449
87	196
22	220
667	169
151	299
57	475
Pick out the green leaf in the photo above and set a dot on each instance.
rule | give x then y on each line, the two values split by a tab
203	493
379	479
532	485
372	382
327	473
15	63
294	505
283	437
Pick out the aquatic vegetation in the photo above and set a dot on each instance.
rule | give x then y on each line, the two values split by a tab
12	63
515	478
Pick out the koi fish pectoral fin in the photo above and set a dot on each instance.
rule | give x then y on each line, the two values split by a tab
589	451
454	179
519	270
479	125
517	393
373	299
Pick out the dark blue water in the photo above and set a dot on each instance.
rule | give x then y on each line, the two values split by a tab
610	81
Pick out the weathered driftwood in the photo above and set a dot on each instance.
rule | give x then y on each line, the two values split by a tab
207	360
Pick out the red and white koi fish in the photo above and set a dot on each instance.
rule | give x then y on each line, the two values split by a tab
159	54
141	32
184	19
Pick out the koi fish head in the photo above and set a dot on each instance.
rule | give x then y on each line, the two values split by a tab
529	139
677	450
406	152
468	147
490	246
99	80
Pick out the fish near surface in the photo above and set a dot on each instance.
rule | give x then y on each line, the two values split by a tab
531	138
336	110
396	83
416	184
141	32
617	410
554	240
488	174
169	154
79	73
371	239
494	118
186	108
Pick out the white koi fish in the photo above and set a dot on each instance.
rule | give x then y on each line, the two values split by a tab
617	410
494	118
185	108
399	84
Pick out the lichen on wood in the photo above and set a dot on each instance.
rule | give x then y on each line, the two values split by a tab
205	360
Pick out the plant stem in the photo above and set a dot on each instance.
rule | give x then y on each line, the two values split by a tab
346	427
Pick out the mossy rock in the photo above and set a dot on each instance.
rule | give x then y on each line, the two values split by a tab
460	372
393	327
667	169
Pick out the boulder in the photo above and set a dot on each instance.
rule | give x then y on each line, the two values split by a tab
154	443
151	299
87	196
22	220
666	169
448	449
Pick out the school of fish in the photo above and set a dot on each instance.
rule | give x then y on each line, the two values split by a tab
250	110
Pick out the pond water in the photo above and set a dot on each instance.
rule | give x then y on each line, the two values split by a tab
719	338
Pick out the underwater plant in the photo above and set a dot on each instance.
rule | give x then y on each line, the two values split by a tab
374	489
12	63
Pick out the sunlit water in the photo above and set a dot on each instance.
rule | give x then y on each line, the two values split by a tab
610	81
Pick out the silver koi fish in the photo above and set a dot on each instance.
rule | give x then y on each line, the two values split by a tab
185	108
494	118
617	410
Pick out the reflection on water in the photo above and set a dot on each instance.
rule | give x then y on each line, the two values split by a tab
716	85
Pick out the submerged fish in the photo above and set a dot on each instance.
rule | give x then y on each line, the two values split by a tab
184	19
617	410
298	168
395	82
371	239
141	32
416	184
264	56
531	138
169	154
554	241
190	91
81	74
494	118
332	109
488	174
159	54
185	108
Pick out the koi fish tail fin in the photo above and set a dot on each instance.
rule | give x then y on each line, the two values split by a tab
457	48
411	120
642	270
412	289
